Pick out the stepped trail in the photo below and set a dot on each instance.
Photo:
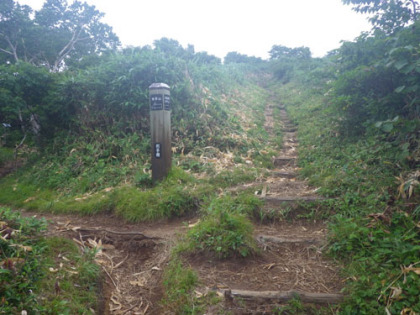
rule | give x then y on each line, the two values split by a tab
134	256
291	263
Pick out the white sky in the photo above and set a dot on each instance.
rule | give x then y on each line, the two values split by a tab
220	26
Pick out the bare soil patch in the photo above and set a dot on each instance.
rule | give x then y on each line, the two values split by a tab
287	266
10	166
132	257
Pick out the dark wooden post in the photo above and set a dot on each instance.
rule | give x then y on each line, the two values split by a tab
160	125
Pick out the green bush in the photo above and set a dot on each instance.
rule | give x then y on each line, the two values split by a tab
378	259
223	235
173	197
225	230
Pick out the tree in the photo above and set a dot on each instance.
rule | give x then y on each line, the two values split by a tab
26	100
172	48
388	15
279	51
15	26
55	35
235	57
204	58
287	62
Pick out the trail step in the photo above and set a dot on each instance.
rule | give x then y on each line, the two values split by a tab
283	161
289	134
291	199
283	174
284	296
282	240
287	126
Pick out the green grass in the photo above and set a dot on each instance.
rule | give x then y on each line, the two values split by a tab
75	273
222	235
173	197
224	230
178	195
44	275
179	282
6	155
235	176
373	231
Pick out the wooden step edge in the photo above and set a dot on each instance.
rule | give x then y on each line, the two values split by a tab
283	240
284	296
281	199
284	159
283	174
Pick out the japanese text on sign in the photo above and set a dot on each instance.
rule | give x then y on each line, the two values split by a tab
167	102
156	102
157	150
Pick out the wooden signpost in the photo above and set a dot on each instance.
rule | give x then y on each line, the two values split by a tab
160	125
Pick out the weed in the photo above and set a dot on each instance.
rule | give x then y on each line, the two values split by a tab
74	277
225	230
264	159
142	179
234	177
38	275
173	197
295	306
274	214
169	198
179	283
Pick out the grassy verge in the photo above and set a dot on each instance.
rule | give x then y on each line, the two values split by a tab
109	172
180	282
374	231
43	276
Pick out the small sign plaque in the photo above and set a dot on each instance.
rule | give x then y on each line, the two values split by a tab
158	151
156	102
166	102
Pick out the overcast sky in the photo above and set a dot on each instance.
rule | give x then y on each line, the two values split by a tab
221	26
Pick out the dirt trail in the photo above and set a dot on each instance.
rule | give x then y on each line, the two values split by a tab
133	256
291	260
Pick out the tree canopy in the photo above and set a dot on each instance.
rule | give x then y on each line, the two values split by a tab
56	35
235	57
280	51
388	15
